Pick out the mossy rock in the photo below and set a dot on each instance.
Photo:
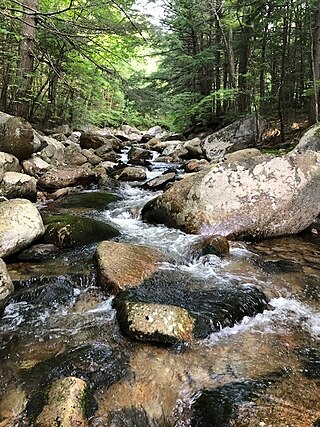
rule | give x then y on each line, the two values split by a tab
66	231
95	200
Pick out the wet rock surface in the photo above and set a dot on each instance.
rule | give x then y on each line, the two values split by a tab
213	309
123	265
67	231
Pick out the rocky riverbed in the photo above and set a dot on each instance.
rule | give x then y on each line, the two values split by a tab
110	320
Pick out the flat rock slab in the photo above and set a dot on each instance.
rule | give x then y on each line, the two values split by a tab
123	265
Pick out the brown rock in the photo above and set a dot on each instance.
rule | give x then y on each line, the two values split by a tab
123	265
16	136
215	245
65	404
68	176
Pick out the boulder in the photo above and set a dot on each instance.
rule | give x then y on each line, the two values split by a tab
210	245
16	136
242	155
15	185
176	151
66	231
91	157
139	156
245	133
73	155
195	165
66	404
96	139
160	182
130	173
21	224
95	200
211	306
35	166
194	148
310	140
258	197
166	324
6	285
123	265
53	150
9	163
64	177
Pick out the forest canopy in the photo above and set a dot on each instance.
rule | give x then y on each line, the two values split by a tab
85	61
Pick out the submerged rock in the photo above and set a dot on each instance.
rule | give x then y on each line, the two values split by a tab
212	307
96	200
256	198
21	224
65	407
66	231
219	407
123	265
6	285
214	245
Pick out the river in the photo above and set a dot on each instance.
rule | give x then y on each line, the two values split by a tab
264	371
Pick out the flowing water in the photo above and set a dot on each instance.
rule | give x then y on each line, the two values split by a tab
264	371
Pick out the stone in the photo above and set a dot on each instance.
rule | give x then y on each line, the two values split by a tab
9	163
15	185
244	133
37	252
176	151
95	200
65	405
96	139
212	306
73	155
130	173
194	148
259	197
16	136
52	152
139	156
242	155
195	165
92	158
310	140
21	224
57	178
214	245
6	285
166	324
160	182
66	231
35	166
123	265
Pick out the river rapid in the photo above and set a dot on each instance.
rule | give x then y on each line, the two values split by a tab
264	371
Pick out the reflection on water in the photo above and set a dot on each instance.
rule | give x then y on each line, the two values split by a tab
263	371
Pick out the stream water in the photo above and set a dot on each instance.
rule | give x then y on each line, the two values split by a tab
264	371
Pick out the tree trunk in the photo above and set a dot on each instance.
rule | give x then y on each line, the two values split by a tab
314	110
26	57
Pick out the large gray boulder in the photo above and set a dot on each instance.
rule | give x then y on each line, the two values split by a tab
16	136
20	225
241	134
257	197
6	285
